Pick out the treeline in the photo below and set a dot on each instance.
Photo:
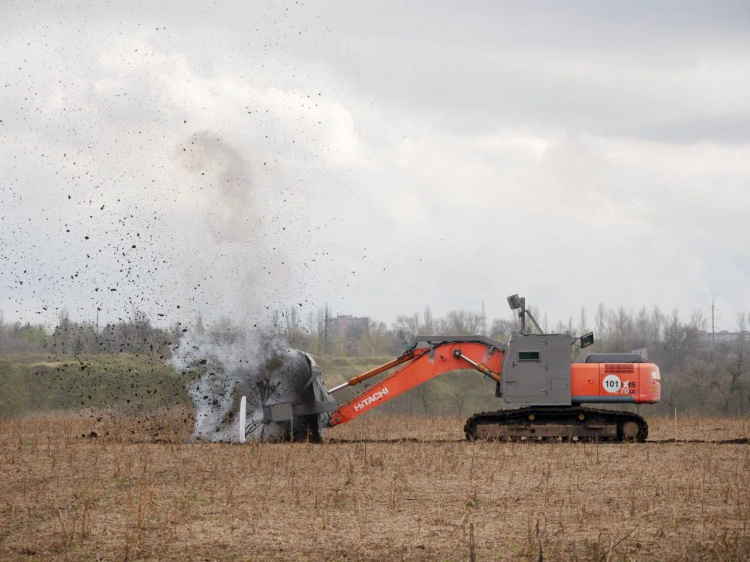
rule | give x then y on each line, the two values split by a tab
71	338
700	375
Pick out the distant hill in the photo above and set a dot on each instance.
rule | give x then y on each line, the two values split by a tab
36	382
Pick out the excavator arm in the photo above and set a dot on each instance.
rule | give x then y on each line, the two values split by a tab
418	365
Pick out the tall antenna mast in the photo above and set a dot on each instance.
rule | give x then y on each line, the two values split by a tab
713	325
326	335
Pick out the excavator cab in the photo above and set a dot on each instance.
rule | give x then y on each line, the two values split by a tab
536	370
536	367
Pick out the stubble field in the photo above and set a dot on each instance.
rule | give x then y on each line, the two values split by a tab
379	488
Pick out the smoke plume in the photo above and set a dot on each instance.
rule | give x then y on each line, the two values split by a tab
232	214
231	362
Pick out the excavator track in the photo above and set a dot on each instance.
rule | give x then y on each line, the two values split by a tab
566	423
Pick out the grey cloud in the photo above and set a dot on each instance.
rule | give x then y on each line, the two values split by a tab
378	157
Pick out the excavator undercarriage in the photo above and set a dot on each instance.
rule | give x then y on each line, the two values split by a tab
563	423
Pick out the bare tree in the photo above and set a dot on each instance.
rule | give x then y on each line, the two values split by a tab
735	367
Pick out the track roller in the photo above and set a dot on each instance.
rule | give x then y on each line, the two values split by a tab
565	423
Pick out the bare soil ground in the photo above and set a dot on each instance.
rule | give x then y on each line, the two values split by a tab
380	488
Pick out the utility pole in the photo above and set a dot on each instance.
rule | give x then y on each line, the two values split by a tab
713	325
484	321
326	336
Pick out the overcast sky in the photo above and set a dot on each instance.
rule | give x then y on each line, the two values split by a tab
380	157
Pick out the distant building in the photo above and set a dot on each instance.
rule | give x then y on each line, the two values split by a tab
724	336
344	324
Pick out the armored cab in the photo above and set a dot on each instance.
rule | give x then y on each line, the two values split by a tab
536	370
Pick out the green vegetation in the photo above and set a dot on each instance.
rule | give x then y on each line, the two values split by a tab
33	382
125	365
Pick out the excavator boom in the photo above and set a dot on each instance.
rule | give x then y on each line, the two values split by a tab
419	366
532	370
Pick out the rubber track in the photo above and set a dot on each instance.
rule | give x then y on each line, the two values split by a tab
550	414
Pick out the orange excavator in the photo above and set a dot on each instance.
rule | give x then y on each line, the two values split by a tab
533	373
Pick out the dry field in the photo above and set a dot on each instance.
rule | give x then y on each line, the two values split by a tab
380	488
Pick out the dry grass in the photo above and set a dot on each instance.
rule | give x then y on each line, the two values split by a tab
381	488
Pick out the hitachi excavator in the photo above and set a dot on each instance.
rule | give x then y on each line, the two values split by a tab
533	373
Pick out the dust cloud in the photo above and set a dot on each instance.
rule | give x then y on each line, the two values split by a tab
233	361
233	213
261	367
